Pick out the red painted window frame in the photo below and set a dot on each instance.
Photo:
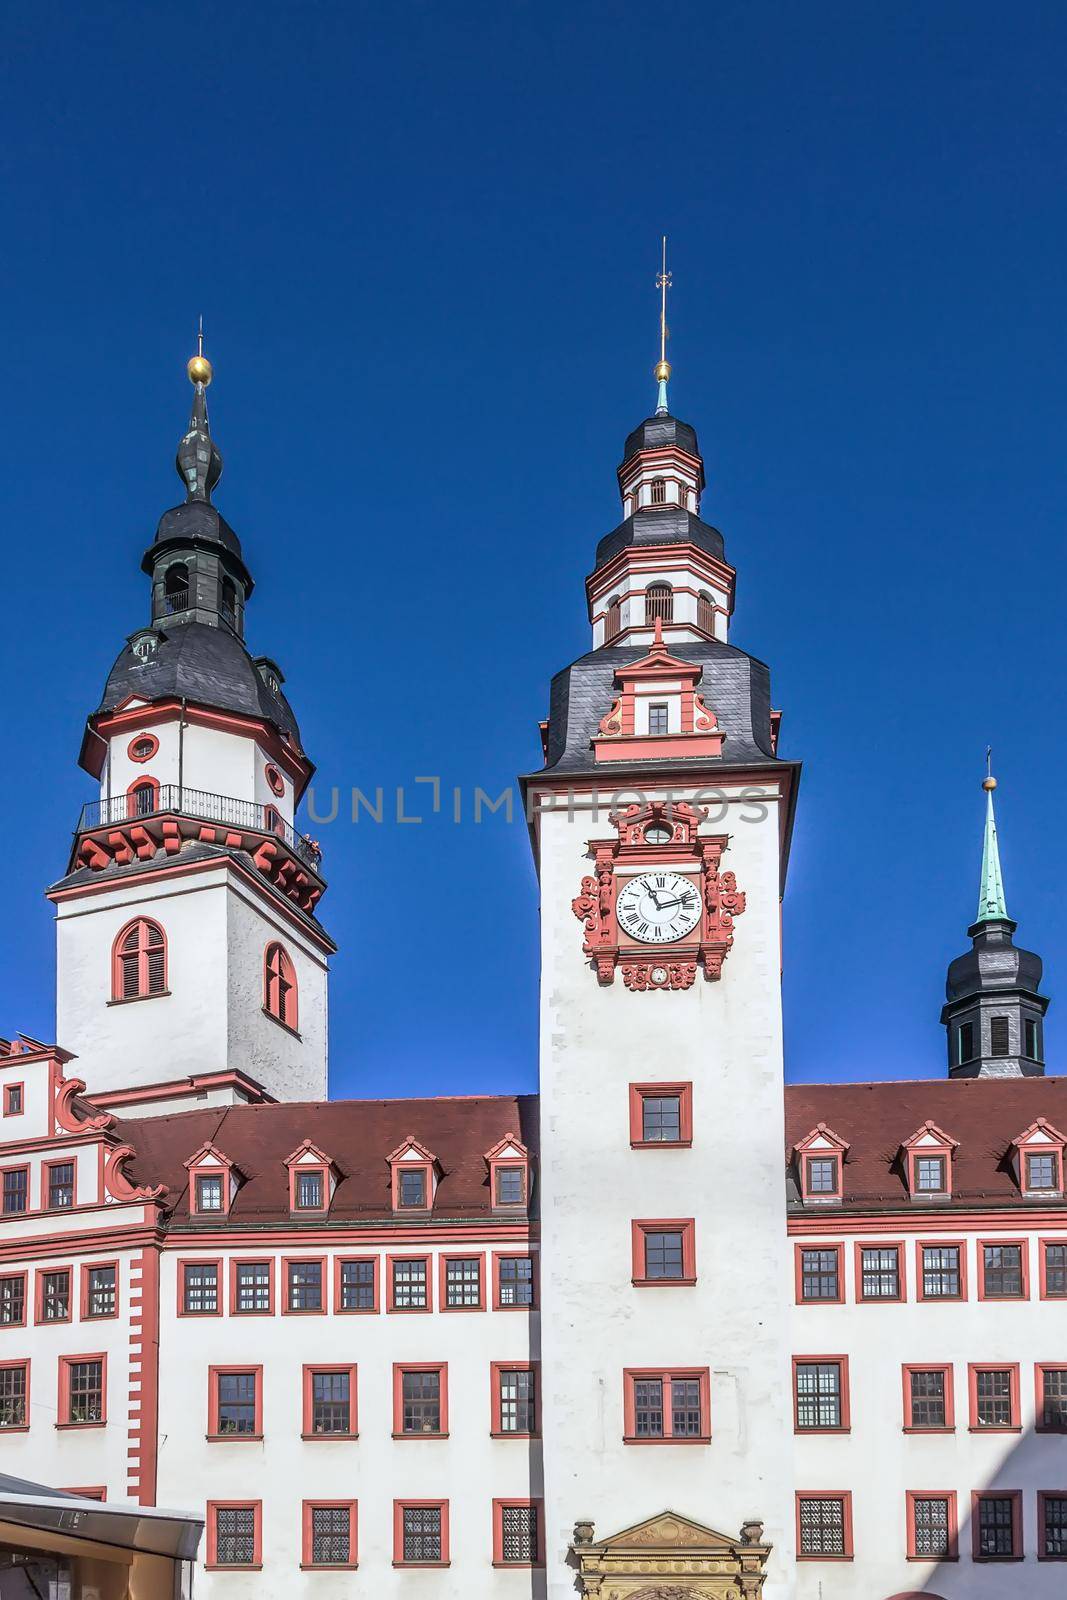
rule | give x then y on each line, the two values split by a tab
47	1168
220	1291
144	780
1018	1550
631	1375
949	1370
305	1261
845	1495
902	1277
1025	1152
838	1190
640	1228
18	1166
283	1010
949	1495
442	1275
638	1092
38	1297
1042	1496
840	1362
812	1244
513	1164
252	1261
1042	1245
498	1531
65	1364
230	1369
137	739
941	1244
23	1362
495	1369
275	781
96	1491
211	1533
1040	1368
399	1368
356	1311
409	1311
534	1257
1014	1393
8	1087
1024	1257
426	1167
398	1533
308	1396
300	1169
143	991
307	1535
22	1273
213	1168
83	1290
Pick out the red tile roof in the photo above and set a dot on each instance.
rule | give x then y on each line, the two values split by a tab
984	1114
357	1135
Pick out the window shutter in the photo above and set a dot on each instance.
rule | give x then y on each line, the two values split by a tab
999	1039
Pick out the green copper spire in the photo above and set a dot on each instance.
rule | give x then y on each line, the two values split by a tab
991	906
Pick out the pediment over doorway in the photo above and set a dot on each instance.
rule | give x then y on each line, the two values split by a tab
671	1557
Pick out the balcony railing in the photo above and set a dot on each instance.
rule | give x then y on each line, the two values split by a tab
176	600
171	798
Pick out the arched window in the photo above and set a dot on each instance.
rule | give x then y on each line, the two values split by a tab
613	620
705	613
139	965
658	492
279	983
228	605
142	797
176	588
659	602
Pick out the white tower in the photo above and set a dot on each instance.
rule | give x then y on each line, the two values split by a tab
191	962
661	825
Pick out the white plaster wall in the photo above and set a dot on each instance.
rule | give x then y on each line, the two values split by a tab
288	1067
880	1463
468	1468
211	760
726	1038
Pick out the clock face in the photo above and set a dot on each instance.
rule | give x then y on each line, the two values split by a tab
658	907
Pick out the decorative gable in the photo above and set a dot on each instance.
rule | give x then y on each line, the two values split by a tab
927	1161
820	1159
509	1174
312	1180
213	1182
658	711
1037	1161
415	1172
641	1561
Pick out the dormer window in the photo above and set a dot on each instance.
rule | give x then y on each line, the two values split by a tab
1038	1160
509	1173
213	1181
927	1160
658	719
930	1175
209	1195
176	588
820	1157
658	492
144	648
659	602
414	1177
1042	1172
822	1176
312	1180
411	1189
307	1191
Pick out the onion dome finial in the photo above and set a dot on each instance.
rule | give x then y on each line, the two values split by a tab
198	462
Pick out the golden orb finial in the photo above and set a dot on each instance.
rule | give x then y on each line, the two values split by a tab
662	371
989	784
199	370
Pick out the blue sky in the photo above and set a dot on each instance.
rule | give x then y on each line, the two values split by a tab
424	239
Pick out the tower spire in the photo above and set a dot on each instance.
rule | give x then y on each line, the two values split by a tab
198	462
991	903
663	366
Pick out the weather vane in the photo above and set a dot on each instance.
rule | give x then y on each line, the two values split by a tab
663	366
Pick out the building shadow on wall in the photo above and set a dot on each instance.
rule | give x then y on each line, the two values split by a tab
537	1587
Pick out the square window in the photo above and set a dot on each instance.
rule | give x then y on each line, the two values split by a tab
516	1533
930	1174
329	1401
411	1188
330	1534
420	1533
200	1288
234	1534
303	1286
16	1190
510	1186
357	1285
13	1300
1003	1272
515	1399
941	1272
463	1283
821	1176
820	1273
410	1280
824	1526
1052	1526
928	1399
1042	1172
209	1195
658	719
997	1533
515	1281
820	1394
661	1114
100	1291
61	1185
54	1296
666	1405
14	1394
234	1410
253	1286
82	1393
420	1394
880	1272
994	1398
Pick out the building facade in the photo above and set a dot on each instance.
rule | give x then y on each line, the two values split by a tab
669	1325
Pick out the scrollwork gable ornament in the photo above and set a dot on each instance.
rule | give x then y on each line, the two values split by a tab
670	1557
652	835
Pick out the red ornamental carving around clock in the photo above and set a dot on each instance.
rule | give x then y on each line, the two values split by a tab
657	905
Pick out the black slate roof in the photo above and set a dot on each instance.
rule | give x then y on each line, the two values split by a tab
208	666
659	525
734	685
659	433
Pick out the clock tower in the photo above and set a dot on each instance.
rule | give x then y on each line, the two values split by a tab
661	821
